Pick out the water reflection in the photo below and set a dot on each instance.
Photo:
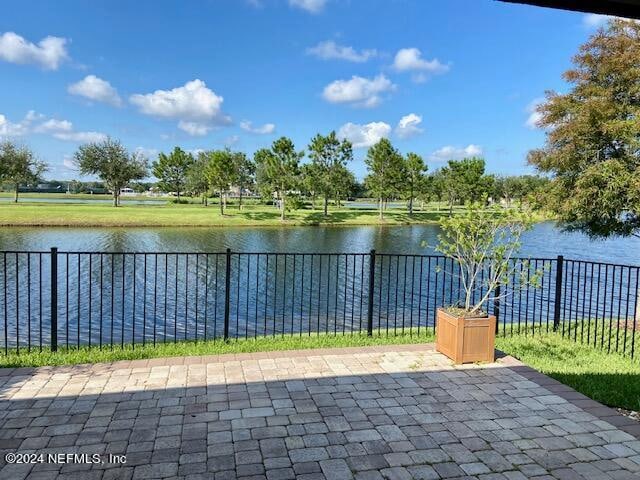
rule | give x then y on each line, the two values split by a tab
545	240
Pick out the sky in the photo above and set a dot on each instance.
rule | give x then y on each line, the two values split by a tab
441	78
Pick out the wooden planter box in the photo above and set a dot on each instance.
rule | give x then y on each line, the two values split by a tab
466	340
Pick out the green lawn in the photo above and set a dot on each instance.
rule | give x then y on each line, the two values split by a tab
210	347
84	215
609	378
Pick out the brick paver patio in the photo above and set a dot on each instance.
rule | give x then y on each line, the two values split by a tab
391	412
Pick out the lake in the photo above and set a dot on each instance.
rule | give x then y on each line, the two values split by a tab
136	297
544	240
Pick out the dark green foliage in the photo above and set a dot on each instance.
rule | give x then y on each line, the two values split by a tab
112	163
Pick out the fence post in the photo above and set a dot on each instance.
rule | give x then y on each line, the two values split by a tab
372	282
227	293
558	297
54	299
496	307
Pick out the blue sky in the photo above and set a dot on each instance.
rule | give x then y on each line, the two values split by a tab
442	78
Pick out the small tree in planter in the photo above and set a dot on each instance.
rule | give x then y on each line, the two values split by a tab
482	242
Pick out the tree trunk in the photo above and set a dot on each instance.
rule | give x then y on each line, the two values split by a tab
381	216
411	202
178	193
16	192
282	207
240	200
221	203
326	205
115	198
450	207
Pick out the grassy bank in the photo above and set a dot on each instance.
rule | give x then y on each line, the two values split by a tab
86	215
74	196
210	347
609	378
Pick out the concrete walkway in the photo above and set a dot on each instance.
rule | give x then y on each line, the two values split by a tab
395	412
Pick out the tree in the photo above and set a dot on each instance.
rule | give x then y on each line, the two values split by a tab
520	188
592	148
344	184
197	182
427	190
386	172
482	242
308	181
279	169
464	181
415	168
172	170
221	174
18	166
245	171
330	156
112	163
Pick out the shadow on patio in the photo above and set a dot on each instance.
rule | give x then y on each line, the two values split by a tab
379	412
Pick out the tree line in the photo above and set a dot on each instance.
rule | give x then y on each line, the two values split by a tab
278	174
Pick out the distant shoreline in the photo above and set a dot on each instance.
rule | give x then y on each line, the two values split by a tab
32	214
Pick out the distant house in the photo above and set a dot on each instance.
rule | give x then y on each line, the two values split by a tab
127	192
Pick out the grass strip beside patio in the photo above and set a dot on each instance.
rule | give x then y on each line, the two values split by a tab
609	378
211	347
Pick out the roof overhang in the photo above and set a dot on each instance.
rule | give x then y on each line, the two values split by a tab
620	8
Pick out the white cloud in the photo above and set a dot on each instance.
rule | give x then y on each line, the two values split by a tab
23	127
193	101
194	129
450	152
358	91
33	116
80	137
410	60
49	53
231	140
147	152
63	130
97	89
265	129
34	122
534	116
362	136
195	151
54	126
311	6
594	20
10	129
68	162
330	50
409	126
196	106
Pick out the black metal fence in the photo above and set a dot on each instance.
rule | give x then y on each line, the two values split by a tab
96	299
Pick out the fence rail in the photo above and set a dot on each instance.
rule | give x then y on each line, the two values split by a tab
53	299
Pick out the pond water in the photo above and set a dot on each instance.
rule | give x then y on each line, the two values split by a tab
544	240
180	294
